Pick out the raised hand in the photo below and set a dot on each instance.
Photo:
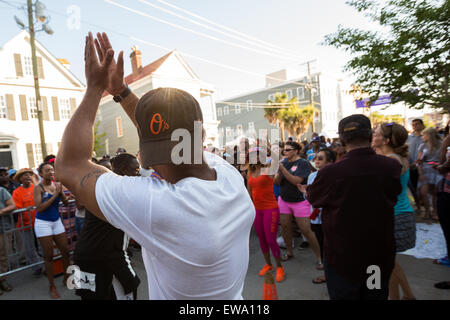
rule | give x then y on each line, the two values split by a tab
116	83
280	168
96	70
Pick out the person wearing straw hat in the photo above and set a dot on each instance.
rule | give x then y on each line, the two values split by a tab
23	198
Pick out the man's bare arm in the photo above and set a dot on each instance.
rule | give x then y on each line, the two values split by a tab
73	163
129	105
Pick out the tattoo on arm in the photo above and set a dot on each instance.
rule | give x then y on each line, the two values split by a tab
95	173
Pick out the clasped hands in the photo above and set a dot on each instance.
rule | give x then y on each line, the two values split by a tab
101	70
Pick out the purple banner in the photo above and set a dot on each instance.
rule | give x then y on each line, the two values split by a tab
364	103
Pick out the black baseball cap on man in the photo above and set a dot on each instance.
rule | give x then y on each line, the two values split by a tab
355	122
158	114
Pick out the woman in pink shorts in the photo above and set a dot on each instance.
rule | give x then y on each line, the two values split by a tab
293	171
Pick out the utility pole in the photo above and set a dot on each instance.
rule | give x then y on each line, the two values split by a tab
311	99
36	77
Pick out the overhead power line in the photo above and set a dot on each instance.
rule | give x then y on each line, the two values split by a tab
228	34
227	28
257	106
222	65
218	63
195	32
274	105
10	4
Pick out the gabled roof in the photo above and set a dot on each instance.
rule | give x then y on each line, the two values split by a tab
147	70
24	35
154	66
185	64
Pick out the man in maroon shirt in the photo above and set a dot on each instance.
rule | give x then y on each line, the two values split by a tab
357	196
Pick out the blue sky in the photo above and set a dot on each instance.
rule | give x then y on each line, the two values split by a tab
297	25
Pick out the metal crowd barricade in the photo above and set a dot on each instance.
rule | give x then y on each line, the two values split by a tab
19	247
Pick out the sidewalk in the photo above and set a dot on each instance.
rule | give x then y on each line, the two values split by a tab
422	274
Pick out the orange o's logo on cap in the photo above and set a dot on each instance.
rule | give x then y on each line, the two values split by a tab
158	125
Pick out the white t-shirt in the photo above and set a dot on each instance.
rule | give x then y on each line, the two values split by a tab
311	179
194	234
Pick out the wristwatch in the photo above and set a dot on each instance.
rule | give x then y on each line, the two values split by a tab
123	94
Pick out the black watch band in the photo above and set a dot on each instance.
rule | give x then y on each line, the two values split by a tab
123	94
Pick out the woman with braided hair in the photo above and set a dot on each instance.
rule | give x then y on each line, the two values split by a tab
390	140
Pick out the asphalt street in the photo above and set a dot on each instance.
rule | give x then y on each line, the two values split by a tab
421	273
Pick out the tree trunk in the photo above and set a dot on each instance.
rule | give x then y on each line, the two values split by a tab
282	130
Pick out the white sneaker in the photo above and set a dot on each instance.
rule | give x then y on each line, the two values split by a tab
281	243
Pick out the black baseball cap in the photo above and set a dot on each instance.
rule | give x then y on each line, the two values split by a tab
355	122
158	114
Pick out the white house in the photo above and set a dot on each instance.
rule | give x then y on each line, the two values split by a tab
171	70
60	90
335	103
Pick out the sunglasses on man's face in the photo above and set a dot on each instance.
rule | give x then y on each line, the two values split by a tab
319	158
287	150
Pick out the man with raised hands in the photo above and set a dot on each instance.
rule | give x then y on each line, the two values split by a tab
194	224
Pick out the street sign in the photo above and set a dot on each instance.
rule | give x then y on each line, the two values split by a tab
364	103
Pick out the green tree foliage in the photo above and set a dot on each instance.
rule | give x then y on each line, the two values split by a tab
377	118
428	122
295	119
409	59
271	114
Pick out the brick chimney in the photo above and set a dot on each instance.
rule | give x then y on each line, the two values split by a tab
136	60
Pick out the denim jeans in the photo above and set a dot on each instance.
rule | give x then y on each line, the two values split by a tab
79	222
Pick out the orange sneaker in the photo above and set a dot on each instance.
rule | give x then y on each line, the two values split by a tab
280	274
265	269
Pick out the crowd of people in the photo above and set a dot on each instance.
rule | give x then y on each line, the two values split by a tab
348	197
100	246
423	157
